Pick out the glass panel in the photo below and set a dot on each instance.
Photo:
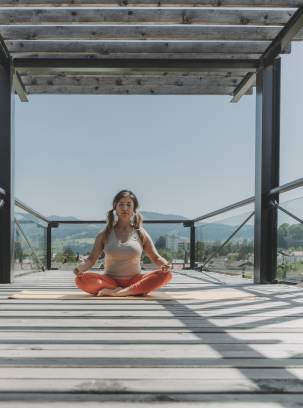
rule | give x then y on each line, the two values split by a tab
71	244
290	242
172	242
30	243
291	113
237	256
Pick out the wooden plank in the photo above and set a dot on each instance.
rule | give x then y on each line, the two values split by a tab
143	16
137	32
150	400
254	324
123	66
164	380
122	90
151	56
169	374
150	80
153	3
126	337
135	351
150	362
122	47
228	351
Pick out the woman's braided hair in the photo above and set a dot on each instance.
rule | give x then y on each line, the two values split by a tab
138	217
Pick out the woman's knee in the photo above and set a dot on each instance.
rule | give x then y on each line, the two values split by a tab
84	285
78	280
165	275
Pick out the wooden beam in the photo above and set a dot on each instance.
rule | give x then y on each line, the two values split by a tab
135	32
133	90
19	87
145	15
150	80
246	84
138	56
129	65
109	47
219	75
153	3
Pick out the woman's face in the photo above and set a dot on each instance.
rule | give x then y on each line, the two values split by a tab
125	208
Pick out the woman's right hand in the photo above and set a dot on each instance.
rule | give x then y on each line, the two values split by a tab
76	271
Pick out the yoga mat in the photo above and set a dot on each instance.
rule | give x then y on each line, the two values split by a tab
215	294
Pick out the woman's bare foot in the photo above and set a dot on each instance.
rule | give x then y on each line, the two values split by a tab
108	292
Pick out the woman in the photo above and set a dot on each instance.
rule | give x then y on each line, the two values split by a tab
123	241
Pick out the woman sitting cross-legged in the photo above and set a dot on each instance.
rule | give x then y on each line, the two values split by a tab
123	241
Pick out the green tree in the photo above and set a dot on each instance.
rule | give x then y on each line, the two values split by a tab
69	254
166	253
161	242
296	232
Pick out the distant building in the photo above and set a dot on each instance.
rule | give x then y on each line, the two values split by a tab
174	243
296	255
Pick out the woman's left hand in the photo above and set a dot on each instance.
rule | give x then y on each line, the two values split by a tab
166	267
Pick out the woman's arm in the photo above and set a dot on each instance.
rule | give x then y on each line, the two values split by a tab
93	256
153	254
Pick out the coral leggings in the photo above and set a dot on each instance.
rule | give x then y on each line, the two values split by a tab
139	284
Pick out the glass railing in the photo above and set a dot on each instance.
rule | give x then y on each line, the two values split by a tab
72	244
290	241
172	242
30	242
225	244
221	241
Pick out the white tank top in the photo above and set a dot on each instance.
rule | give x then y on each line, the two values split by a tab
122	259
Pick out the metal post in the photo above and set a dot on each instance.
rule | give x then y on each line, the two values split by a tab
267	170
6	171
192	246
49	247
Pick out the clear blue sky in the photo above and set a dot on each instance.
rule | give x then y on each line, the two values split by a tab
181	155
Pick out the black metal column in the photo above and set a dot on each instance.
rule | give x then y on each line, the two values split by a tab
49	247
192	246
6	171
267	162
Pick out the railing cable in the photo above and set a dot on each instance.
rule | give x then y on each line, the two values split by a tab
40	265
226	241
277	205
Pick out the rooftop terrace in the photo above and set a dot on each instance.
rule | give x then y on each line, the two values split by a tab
208	352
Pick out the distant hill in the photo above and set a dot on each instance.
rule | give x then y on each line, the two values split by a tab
80	237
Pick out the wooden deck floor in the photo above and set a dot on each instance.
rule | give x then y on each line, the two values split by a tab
138	353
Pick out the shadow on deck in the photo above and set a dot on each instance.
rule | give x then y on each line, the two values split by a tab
176	353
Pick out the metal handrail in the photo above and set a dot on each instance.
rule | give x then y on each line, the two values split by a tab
287	187
23	206
225	209
104	221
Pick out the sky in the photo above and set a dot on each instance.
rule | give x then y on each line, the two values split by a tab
183	155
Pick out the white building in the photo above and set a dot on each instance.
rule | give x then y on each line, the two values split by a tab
174	243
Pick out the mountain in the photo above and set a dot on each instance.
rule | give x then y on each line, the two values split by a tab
80	237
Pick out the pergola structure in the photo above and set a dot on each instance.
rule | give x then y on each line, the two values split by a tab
166	47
